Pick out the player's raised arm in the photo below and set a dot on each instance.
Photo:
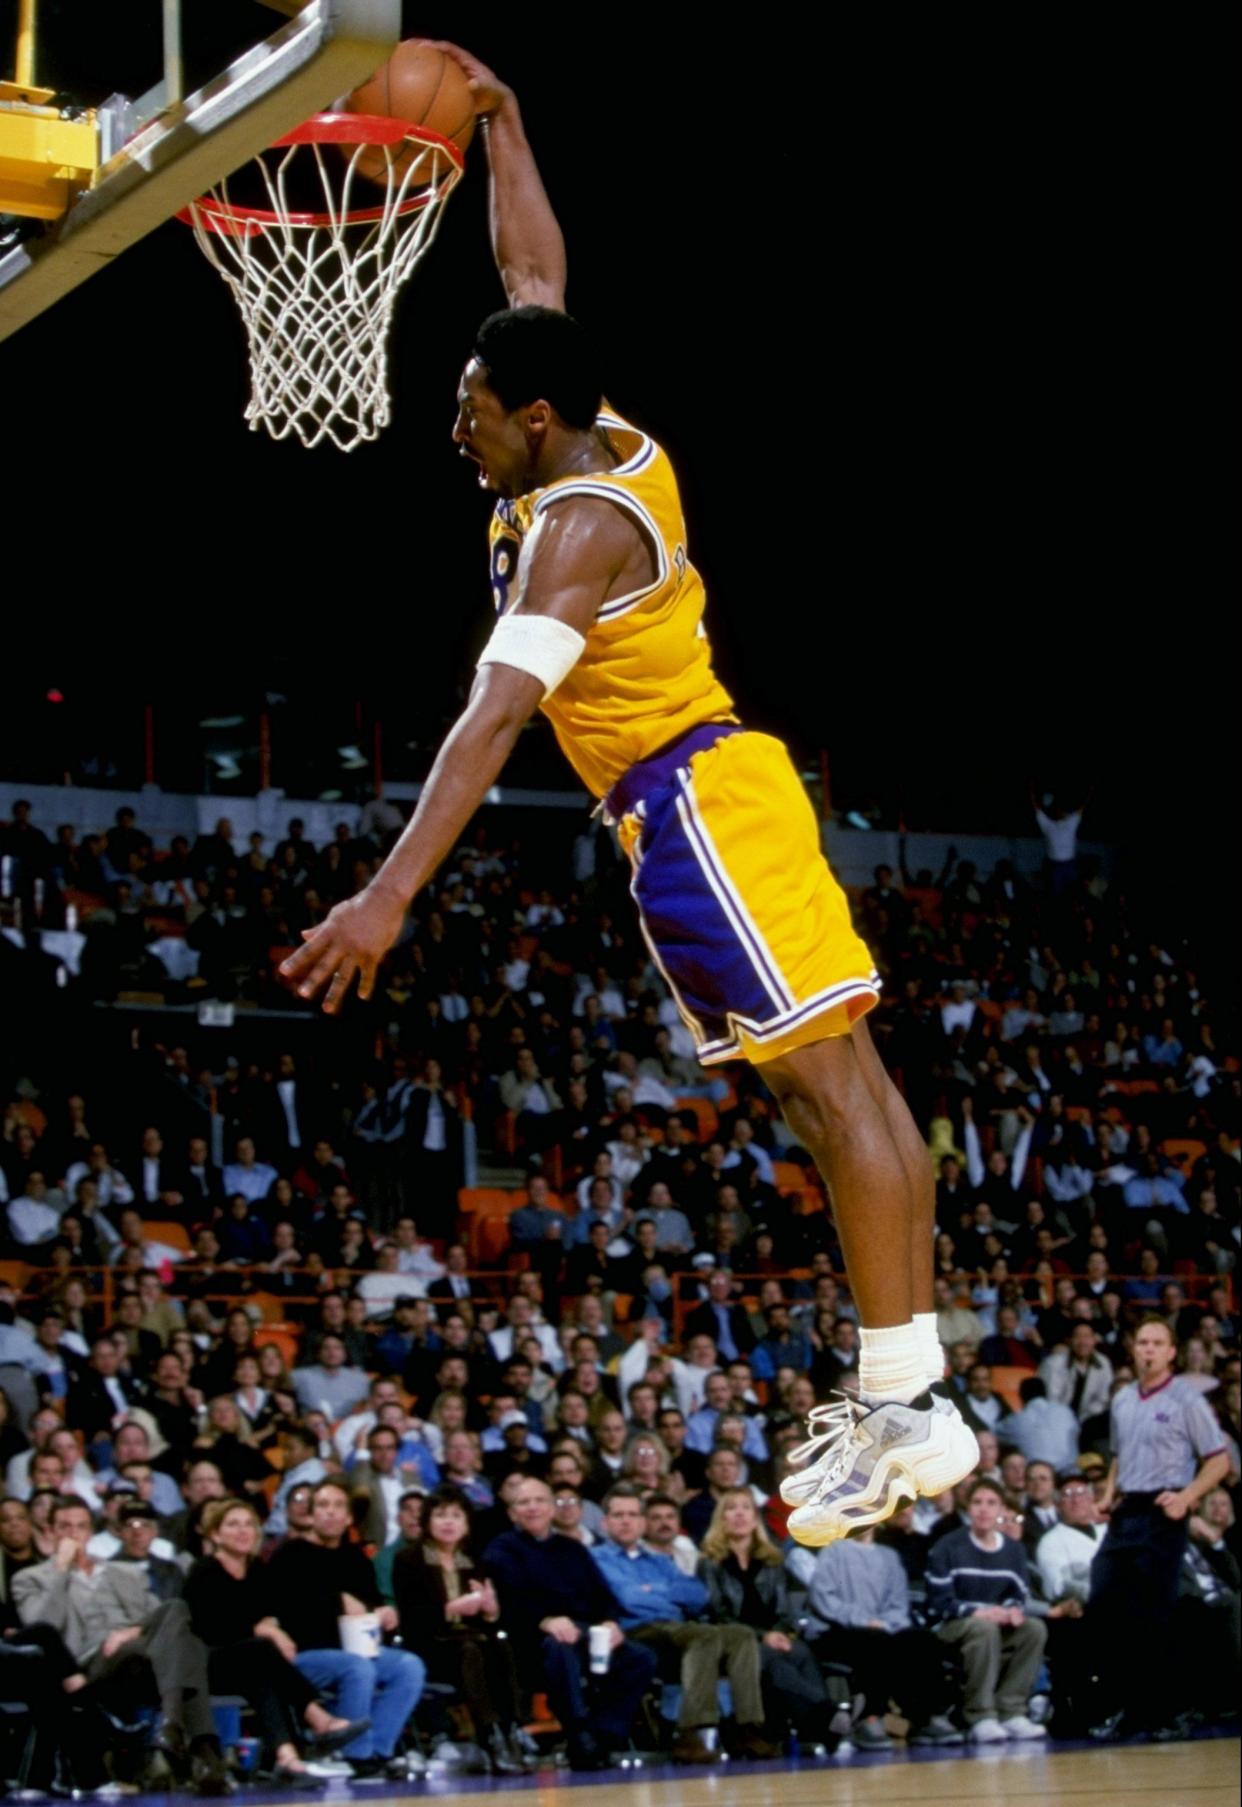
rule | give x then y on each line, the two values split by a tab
526	240
568	564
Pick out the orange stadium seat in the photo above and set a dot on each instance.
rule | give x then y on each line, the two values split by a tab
1006	1382
1185	1150
284	1336
173	1235
704	1113
14	1273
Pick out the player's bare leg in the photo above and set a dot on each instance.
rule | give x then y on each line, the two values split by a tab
863	1459
917	1163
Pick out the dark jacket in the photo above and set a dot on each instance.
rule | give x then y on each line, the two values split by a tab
555	1578
702	1322
726	1595
89	1406
421	1592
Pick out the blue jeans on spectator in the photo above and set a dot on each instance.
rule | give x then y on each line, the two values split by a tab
386	1689
608	1708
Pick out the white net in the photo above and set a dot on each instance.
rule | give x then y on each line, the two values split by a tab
316	289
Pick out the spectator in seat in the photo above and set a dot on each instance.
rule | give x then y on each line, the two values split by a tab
550	1593
662	1609
247	1174
728	1323
312	1582
330	1386
978	1589
781	1345
860	1599
985	1407
126	1642
450	1615
747	1584
410	1516
1041	1505
1079	1377
664	1534
1043	1430
99	1398
303	1468
228	1607
379	1485
534	1100
1007	1348
955	1323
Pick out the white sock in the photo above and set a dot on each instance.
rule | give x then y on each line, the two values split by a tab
929	1343
892	1365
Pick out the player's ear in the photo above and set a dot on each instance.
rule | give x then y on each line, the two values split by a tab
538	419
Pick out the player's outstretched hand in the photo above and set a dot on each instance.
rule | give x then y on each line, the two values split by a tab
490	93
352	939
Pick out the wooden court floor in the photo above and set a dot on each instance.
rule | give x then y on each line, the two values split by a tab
1200	1774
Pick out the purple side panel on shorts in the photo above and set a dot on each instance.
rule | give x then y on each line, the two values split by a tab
697	944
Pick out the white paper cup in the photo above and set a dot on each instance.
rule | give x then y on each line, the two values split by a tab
601	1648
360	1634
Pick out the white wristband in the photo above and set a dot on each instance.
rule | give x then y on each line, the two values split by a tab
539	644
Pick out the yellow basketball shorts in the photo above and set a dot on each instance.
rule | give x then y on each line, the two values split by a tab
741	913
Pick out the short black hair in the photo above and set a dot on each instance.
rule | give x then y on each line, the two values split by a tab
539	354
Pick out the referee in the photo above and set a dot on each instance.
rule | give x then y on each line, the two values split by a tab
1167	1453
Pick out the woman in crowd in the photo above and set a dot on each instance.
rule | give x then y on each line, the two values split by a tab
450	1615
449	1412
217	1371
646	1463
255	1403
229	1442
744	1574
248	1654
275	1376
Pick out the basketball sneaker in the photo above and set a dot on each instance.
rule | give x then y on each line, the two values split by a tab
863	1461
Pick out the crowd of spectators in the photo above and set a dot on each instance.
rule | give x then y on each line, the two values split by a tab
317	1372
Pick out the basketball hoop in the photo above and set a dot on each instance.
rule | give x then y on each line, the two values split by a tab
316	289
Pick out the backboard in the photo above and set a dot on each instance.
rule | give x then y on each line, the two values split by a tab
158	150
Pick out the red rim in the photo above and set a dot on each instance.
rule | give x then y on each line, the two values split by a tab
329	128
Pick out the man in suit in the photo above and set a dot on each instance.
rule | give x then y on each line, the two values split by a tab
200	1182
156	1180
727	1323
120	1636
99	1397
290	1115
378	1485
456	1283
433	1151
1042	1511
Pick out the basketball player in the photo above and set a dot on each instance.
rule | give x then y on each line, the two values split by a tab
600	625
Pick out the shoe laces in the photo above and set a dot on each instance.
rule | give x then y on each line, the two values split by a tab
835	1421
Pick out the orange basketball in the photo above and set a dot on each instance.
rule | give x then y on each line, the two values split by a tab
418	83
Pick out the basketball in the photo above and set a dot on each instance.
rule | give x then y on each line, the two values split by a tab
422	85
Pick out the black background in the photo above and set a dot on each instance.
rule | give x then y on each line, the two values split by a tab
935	315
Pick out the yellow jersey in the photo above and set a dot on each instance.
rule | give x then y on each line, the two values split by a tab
646	675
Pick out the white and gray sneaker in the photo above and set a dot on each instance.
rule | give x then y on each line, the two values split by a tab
965	1443
863	1461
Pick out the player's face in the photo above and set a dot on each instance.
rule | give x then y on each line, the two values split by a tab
494	439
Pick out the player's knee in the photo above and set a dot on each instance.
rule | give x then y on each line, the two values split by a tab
821	1089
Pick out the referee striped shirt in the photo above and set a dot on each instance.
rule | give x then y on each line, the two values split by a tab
1162	1437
